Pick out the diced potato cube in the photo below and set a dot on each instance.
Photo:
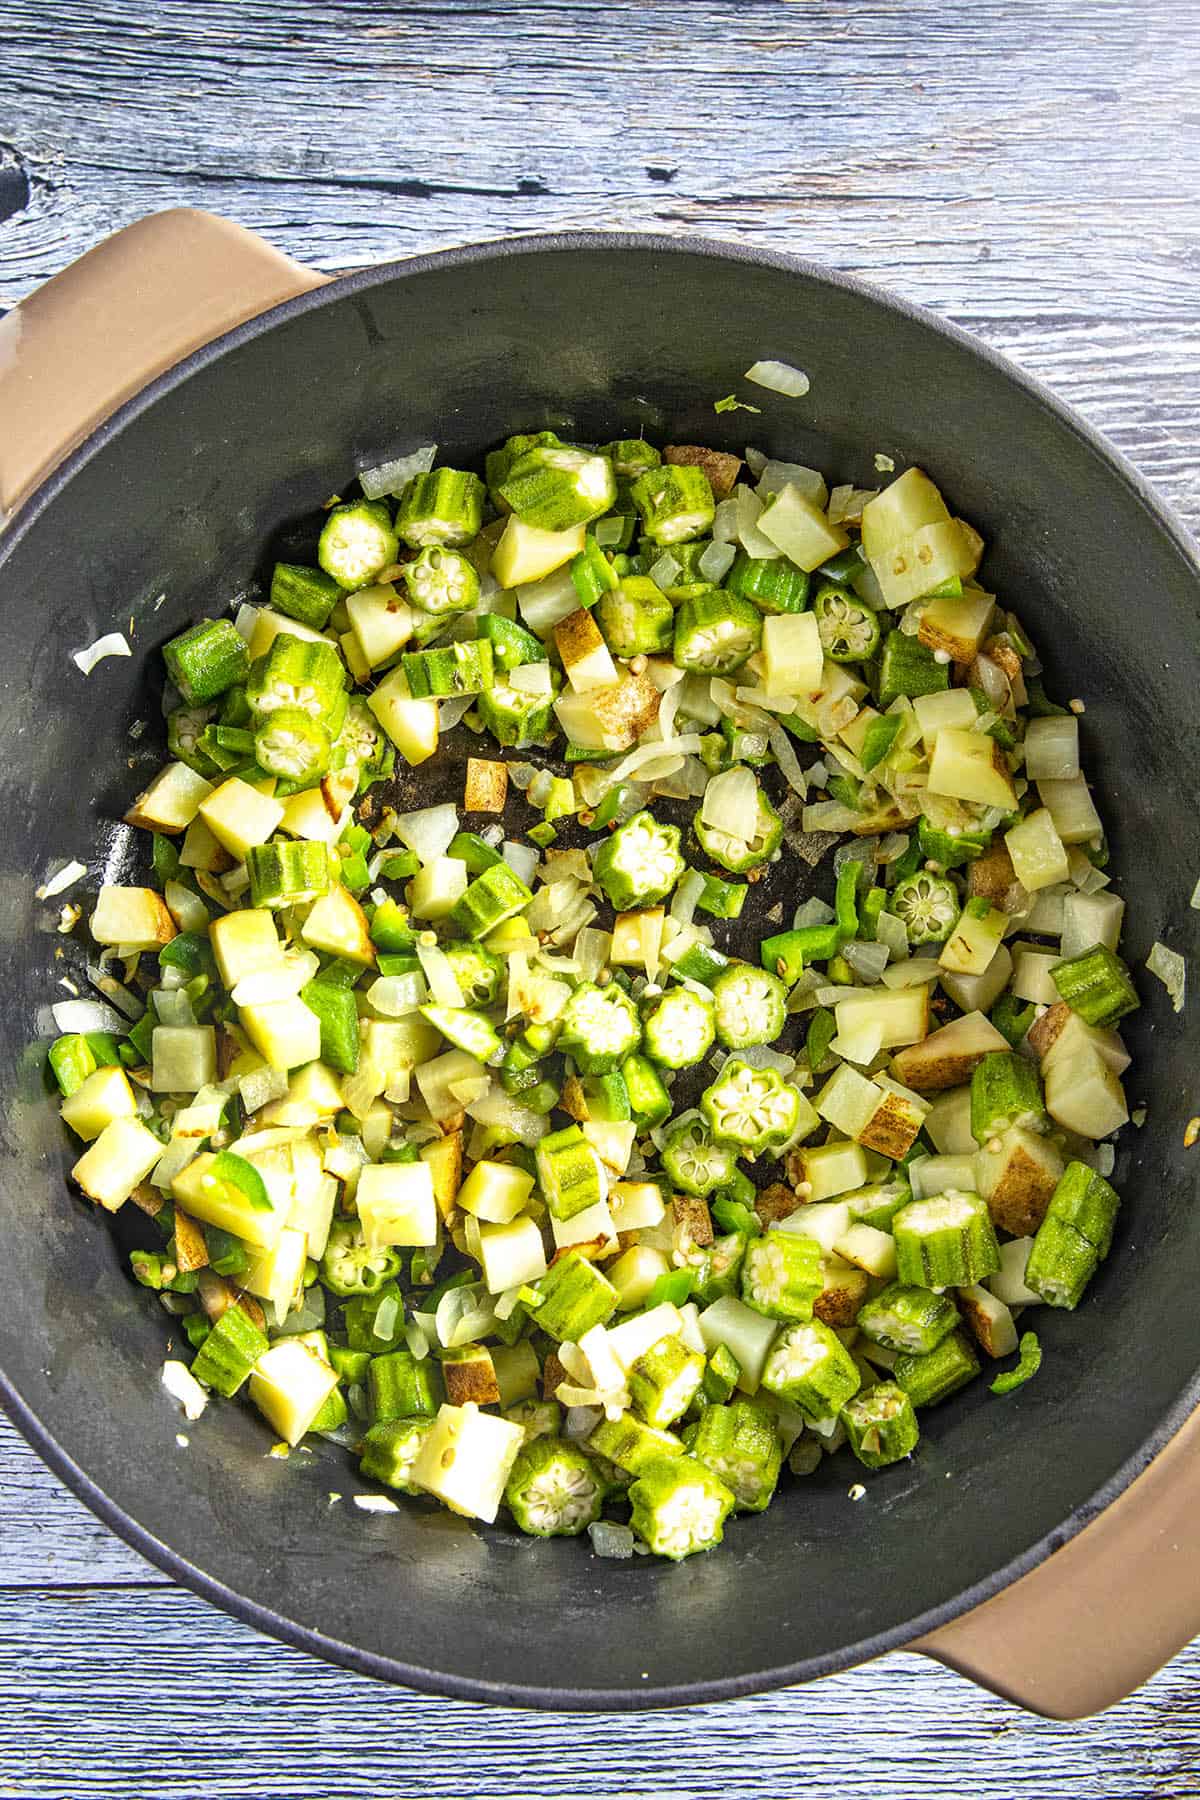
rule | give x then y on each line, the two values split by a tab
444	1157
831	1169
948	1057
952	708
586	657
436	889
183	1058
244	943
286	1033
525	554
396	1204
171	801
105	1095
636	1205
1070	805
799	528
277	1274
135	917
337	924
382	623
466	1458
511	1254
121	1157
957	626
1018	1178
412	725
318	814
290	1384
240	817
1038	857
902	1015
793	658
487	784
973	943
495	1192
222	1204
969	765
1084	1094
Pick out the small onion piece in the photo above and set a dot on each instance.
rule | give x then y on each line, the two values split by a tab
716	561
428	832
867	960
611	1540
665	571
785	756
112	644
261	1086
87	1015
779	378
391	477
439	973
813	911
452	712
521	859
394	996
689	890
648	753
66	877
730	800
1171	970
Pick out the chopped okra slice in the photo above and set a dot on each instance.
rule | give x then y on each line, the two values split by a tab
753	1108
809	1366
554	1489
881	1425
640	863
679	1507
742	1447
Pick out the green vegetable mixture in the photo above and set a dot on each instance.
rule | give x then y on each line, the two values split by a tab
462	1137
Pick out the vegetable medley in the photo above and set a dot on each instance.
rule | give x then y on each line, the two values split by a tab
470	1143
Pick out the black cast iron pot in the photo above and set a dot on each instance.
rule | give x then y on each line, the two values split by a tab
175	495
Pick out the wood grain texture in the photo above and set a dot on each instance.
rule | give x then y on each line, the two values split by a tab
1029	172
287	1728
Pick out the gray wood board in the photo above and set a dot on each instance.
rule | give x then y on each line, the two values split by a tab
1029	171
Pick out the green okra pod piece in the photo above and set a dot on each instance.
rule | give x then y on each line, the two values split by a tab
649	1101
722	899
631	457
71	1061
464	668
292	743
1073	1238
679	1029
664	1381
537	1418
1005	1091
636	618
741	1446
679	1507
675	502
400	1387
568	1171
722	1372
773	583
390	1449
287	872
497	463
782	1275
946	1241
600	1028
750	1006
939	1373
229	747
349	1266
157	1270
476	971
753	1108
306	595
1012	1018
516	718
206	660
357	541
362	744
764	834
848	628
717	1269
297	674
950	849
716	632
809	1366
929	906
442	506
553	1488
640	863
573	1296
185	728
337	1015
912	1319
881	1425
553	487
1097	985
631	1444
907	668
495	895
594	576
349	1365
693	1161
441	580
512	646
229	1352
334	1413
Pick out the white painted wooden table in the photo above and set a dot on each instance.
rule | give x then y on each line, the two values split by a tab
1027	169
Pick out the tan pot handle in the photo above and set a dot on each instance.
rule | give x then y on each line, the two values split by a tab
1104	1612
135	305
1092	1623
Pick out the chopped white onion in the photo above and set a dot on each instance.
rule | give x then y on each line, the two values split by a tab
112	644
609	532
86	1015
725	523
261	1086
452	712
665	571
730	800
592	950
428	831
439	973
778	475
394	996
716	561
812	912
689	890
391	477
522	859
182	1385
282	981
779	378
915	972
67	876
753	541
892	932
762	1056
498	1108
647	753
867	960
1171	970
611	1540
532	678
829	815
1194	902
785	756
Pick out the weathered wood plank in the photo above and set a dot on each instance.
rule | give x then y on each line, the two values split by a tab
48	1538
997	161
79	1720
